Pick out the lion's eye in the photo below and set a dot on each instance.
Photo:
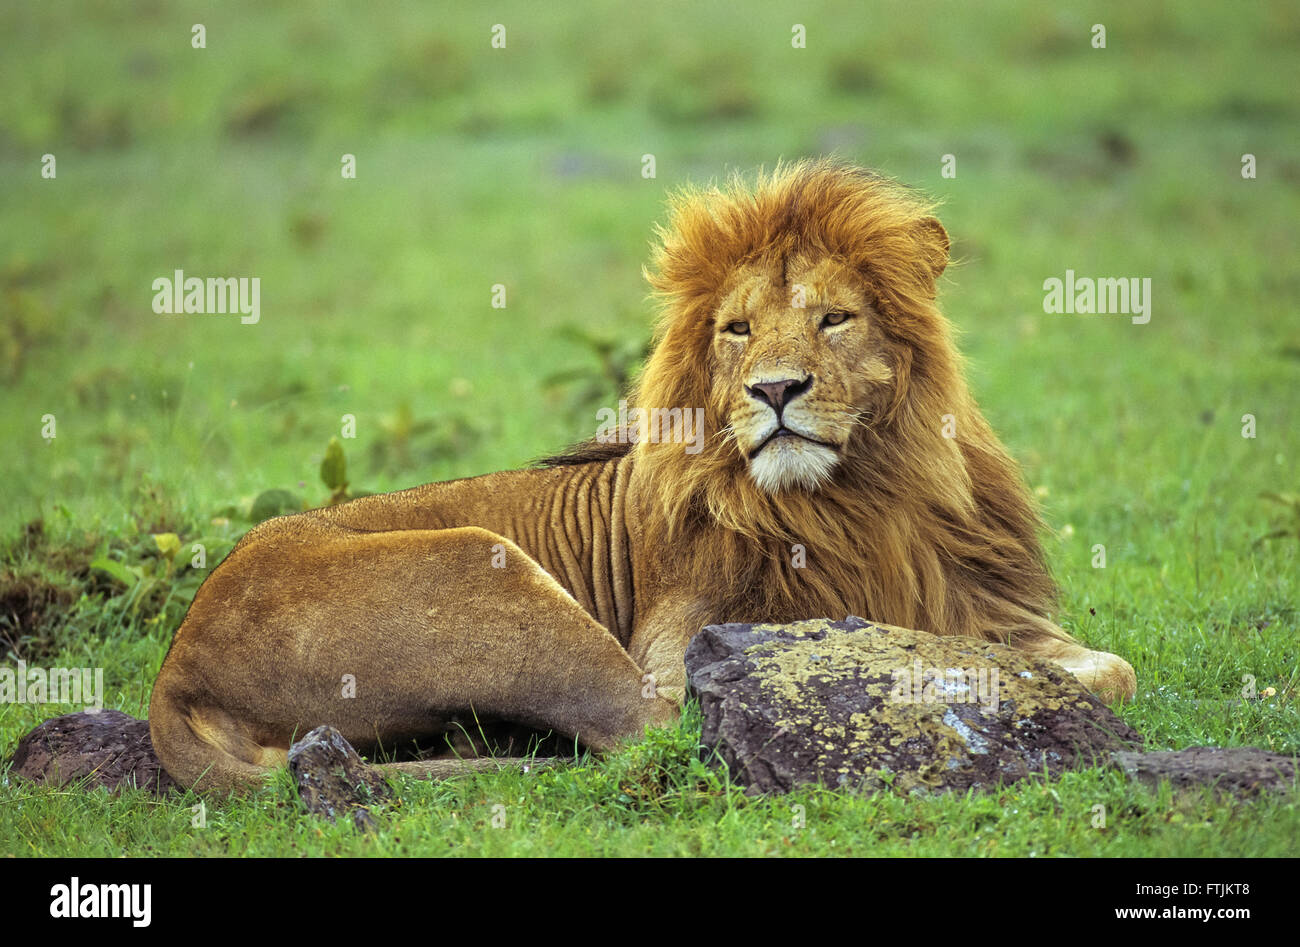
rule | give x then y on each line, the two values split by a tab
737	328
835	317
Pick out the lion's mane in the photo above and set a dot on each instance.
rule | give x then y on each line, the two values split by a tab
915	529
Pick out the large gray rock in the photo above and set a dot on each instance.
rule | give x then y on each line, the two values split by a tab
854	704
105	748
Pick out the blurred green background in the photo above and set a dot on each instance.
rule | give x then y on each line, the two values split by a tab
522	166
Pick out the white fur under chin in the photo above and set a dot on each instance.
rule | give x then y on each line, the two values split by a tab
791	462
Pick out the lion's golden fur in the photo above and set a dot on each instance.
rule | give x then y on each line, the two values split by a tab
915	529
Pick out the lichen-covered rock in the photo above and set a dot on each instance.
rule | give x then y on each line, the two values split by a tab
853	704
106	748
1241	771
333	780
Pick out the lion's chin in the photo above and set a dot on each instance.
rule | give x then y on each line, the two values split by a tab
791	462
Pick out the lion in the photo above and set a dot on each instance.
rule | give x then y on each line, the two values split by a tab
843	468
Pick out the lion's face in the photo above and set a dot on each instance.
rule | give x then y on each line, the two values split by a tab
798	362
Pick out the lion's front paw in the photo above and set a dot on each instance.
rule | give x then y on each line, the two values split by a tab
1107	675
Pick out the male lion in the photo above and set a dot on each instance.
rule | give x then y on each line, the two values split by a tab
800	317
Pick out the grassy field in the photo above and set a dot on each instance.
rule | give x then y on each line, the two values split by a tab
522	167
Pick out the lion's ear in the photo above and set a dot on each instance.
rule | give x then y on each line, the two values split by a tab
933	240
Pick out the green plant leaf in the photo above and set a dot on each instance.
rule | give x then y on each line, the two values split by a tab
274	503
168	544
334	468
116	570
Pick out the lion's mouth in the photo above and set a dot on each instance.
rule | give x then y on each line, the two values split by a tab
783	432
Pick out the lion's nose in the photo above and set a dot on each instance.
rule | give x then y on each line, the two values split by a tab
779	393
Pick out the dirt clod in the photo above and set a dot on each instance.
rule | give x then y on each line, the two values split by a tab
333	780
108	748
1241	771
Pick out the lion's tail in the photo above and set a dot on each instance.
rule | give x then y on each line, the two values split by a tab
204	748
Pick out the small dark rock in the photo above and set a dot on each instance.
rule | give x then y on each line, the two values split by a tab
1239	771
854	704
107	747
333	780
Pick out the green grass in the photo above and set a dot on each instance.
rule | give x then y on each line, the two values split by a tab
658	798
523	167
